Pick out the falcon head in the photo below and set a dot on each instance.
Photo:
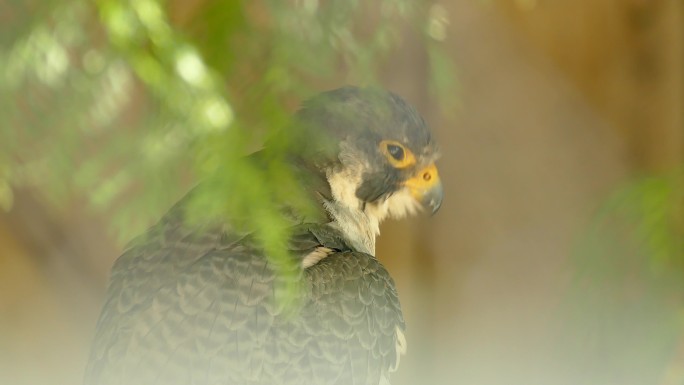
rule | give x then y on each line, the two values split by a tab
377	155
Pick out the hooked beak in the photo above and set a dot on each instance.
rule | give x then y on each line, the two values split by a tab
426	188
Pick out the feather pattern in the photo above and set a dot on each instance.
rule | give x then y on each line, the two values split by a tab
196	304
201	310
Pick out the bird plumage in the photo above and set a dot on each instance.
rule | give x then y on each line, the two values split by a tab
193	303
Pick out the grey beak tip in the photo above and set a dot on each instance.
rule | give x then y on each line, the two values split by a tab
434	199
435	207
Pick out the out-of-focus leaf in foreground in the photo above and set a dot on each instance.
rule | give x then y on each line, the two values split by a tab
126	104
627	298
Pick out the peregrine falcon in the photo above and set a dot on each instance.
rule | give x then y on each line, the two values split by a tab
193	303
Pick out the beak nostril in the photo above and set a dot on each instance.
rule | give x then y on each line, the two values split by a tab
427	176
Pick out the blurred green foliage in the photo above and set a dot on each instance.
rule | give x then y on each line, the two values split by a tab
127	104
627	298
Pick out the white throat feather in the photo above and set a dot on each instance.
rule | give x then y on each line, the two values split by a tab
360	221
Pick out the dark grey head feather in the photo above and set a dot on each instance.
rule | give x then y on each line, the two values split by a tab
356	120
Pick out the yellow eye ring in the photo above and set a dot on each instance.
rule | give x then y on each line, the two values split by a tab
398	155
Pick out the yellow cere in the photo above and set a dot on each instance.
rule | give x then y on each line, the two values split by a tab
423	181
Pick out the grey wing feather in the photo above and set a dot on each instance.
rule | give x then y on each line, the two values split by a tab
358	317
201	310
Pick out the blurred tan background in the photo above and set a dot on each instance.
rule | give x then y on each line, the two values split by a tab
561	102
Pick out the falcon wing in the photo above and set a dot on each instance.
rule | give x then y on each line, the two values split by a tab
184	308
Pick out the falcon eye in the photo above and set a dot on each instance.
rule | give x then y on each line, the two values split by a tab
397	155
396	152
